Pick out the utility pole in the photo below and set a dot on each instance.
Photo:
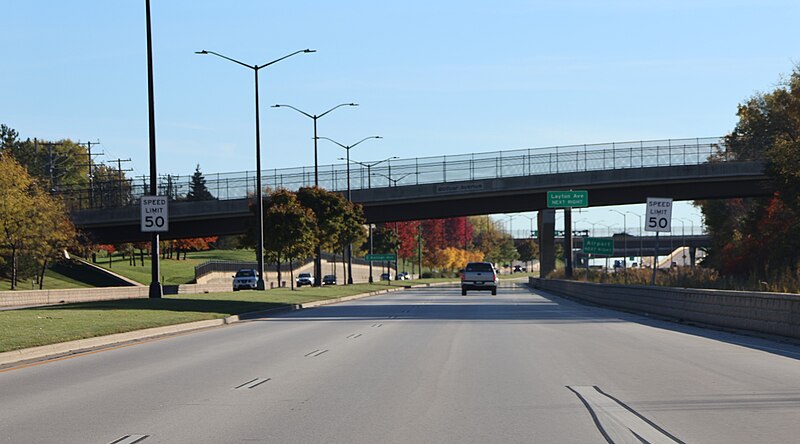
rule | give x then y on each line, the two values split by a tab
51	161
90	165
120	179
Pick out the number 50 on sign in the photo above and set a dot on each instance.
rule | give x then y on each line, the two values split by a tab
658	216
155	214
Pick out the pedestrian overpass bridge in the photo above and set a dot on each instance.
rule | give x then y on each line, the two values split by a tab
446	186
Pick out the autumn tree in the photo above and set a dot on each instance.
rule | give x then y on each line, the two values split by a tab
329	209
33	225
289	232
384	239
761	235
528	250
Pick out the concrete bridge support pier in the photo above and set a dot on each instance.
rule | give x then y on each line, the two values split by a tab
547	242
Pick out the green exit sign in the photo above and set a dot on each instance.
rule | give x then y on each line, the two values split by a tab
598	245
567	199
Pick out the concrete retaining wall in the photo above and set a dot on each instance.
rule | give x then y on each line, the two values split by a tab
768	313
53	297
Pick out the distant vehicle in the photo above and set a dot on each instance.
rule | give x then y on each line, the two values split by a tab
246	278
518	269
386	277
404	276
329	279
479	276
304	279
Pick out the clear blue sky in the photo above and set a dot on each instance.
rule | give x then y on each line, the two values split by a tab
432	78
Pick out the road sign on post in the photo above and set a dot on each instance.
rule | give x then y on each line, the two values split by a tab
381	257
598	245
658	217
567	199
155	214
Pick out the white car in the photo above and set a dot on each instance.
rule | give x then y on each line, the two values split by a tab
246	278
304	279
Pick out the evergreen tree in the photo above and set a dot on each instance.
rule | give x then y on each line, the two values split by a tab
198	190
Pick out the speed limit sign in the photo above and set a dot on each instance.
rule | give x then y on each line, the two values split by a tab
658	216
155	214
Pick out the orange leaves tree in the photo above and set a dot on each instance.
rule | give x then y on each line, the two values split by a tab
761	236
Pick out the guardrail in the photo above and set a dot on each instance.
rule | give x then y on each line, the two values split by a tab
415	171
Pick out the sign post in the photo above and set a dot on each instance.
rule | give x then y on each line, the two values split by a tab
658	218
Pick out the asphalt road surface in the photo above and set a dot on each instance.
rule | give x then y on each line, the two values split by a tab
419	366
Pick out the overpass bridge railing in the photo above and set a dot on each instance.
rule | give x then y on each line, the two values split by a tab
415	171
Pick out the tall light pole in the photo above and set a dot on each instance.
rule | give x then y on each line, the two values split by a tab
511	225
259	191
683	236
641	231
611	235
530	219
625	239
156	291
369	185
314	117
349	198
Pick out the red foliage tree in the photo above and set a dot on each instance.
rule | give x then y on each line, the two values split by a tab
407	232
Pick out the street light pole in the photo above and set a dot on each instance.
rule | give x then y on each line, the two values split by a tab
683	238
625	239
369	185
156	291
640	235
317	248
349	199
259	191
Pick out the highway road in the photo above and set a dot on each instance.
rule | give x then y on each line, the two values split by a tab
418	366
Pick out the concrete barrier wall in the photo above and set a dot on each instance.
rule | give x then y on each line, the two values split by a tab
51	297
54	297
769	313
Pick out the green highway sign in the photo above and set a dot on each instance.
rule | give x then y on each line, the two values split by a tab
567	199
598	245
381	257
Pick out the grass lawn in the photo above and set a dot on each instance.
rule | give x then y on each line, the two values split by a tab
175	272
48	325
52	281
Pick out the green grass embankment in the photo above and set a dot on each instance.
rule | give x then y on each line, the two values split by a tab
49	325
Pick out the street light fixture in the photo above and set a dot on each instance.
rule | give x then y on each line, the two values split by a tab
314	117
393	181
259	191
369	166
349	198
